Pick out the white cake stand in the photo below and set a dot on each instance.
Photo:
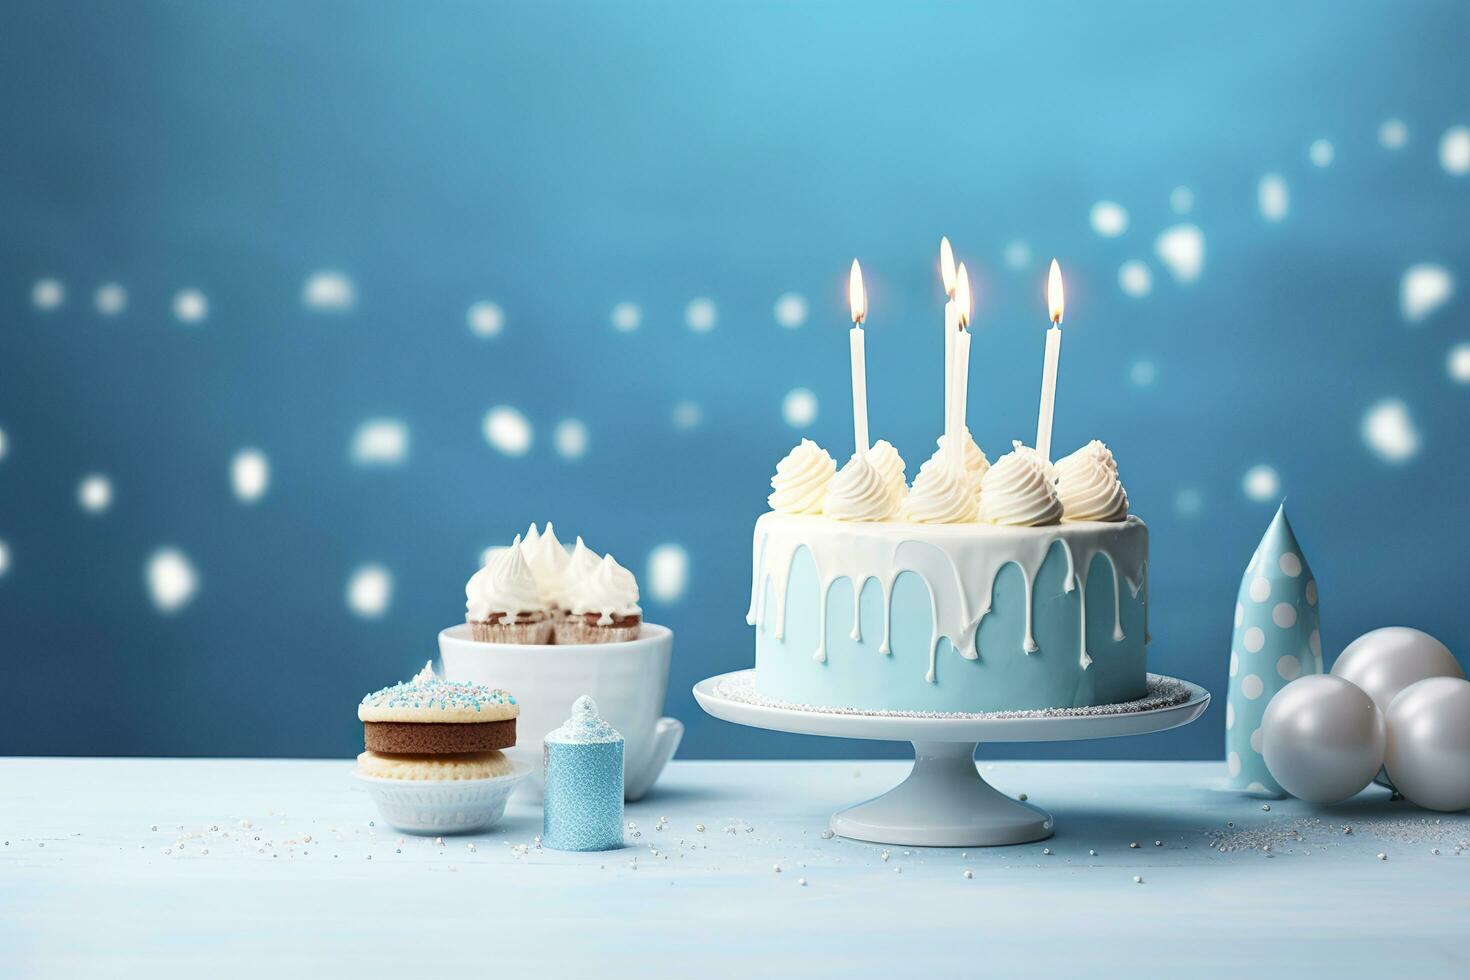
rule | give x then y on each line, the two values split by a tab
944	801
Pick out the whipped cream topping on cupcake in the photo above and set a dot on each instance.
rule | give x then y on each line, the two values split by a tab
890	466
976	462
430	698
940	494
1088	485
585	726
801	480
582	563
859	492
548	559
1019	491
505	587
609	590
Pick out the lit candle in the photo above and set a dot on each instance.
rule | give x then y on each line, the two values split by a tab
857	298
1049	368
962	305
947	277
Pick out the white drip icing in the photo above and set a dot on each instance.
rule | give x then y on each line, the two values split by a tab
958	563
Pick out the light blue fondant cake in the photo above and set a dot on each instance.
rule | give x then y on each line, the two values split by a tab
970	615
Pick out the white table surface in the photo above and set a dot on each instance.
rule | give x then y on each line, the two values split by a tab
89	887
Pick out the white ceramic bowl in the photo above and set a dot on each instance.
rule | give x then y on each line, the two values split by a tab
627	680
443	806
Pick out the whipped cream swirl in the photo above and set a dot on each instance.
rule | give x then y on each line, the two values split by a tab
801	480
890	466
859	492
1018	490
609	590
582	563
940	494
976	462
504	585
548	559
1088	485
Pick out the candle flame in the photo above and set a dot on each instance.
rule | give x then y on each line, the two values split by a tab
946	266
963	301
1054	298
857	295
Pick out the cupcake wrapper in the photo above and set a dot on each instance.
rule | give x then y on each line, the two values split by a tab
527	634
575	629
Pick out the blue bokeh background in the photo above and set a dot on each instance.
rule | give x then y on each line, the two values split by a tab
557	160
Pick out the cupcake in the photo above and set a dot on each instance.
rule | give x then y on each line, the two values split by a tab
504	602
603	605
432	729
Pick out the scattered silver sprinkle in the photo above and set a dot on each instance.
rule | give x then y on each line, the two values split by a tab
471	848
699	827
1138	879
1382	856
1023	797
1092	852
1266	807
1134	845
1158	843
154	827
884	855
1046	850
1434	850
969	873
776	868
801	882
828	835
439	841
898	869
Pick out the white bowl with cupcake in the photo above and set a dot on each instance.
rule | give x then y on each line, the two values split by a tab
434	754
598	644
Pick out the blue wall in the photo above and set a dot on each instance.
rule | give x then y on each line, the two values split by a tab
558	160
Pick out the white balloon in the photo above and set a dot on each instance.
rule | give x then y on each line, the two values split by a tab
1322	738
1428	755
1385	661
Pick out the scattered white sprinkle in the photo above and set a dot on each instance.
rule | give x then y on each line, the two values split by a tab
1261	483
1389	431
1393	134
1382	856
1109	219
48	294
111	299
776	868
570	438
380	442
801	882
94	493
1091	852
969	873
369	590
1046	851
668	572
700	315
171	580
1134	845
626	317
791	311
485	319
328	291
1266	807
699	828
828	835
507	430
190	306
1138	879
1454	151
250	475
799	408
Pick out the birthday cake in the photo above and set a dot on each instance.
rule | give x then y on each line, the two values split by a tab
1018	586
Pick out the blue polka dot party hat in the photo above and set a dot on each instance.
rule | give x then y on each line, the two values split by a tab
1276	640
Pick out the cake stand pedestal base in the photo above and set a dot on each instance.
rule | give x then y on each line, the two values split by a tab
944	802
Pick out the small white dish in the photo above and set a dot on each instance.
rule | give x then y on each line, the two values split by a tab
443	806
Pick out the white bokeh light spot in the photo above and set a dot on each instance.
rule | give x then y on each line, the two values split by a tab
1273	197
790	311
626	317
369	591
380	442
191	306
799	408
1181	200
1424	288
250	475
1388	430
4	444
701	315
1143	373
1261	482
1135	278
48	294
111	299
1457	363
94	493
329	291
687	415
668	572
1454	151
570	438
1321	153
4	558
485	319
171	579
1017	255
1393	134
1108	218
507	430
1182	250
1189	501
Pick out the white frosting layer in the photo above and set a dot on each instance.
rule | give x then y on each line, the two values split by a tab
609	590
504	586
1088	485
958	563
859	492
801	480
583	563
941	495
976	463
548	559
890	466
1019	491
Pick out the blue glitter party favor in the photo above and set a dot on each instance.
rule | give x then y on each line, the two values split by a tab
584	783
